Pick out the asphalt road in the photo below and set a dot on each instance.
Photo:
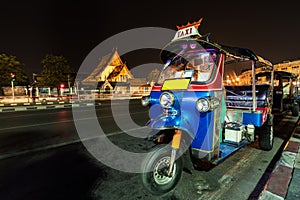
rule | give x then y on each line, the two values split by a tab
42	157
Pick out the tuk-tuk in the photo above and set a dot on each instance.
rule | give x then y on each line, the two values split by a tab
285	93
197	119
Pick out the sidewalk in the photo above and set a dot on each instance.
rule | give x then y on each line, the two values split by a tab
285	178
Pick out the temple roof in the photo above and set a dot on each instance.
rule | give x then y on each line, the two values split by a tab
111	61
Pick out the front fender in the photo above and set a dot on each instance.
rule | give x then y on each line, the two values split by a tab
171	122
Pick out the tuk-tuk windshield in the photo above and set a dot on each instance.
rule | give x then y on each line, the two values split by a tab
199	66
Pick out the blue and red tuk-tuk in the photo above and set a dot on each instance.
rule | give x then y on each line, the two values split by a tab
201	110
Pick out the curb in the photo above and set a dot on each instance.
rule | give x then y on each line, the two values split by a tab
39	106
28	104
282	183
11	107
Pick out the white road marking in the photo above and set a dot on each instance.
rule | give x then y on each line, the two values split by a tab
53	146
64	121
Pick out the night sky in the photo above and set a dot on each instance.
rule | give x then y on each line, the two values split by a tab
31	29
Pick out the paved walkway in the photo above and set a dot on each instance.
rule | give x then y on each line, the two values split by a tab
285	178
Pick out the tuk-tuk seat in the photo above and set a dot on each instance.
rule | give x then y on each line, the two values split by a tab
241	96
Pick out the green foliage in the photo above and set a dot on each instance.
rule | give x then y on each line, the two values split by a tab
9	64
55	70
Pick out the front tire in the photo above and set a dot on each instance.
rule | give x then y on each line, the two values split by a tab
155	166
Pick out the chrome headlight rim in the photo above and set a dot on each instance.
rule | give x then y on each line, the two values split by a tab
202	104
206	104
166	100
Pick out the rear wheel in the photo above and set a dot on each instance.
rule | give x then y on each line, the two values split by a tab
295	109
266	134
155	167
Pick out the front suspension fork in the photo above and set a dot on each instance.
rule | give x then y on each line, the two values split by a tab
175	147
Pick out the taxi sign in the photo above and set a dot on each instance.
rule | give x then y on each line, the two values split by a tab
190	29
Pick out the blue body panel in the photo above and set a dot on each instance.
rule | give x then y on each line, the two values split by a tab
203	127
254	118
228	149
185	116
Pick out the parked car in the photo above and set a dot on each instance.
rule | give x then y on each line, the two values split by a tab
50	98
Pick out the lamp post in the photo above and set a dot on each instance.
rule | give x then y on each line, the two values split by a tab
12	90
13	78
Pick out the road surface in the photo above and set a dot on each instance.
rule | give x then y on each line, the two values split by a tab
42	157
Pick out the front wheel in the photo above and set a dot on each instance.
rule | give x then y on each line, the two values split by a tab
155	166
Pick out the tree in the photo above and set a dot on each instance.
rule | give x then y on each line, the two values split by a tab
10	65
55	71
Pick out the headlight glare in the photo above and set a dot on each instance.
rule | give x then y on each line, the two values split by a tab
145	101
214	103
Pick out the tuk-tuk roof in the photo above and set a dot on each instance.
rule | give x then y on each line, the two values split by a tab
236	54
233	54
285	74
282	74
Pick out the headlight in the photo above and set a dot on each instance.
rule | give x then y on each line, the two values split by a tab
206	104
166	100
145	101
203	105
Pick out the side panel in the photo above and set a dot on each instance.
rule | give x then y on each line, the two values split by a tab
253	118
209	128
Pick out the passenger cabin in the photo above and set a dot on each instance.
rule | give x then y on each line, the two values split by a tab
247	102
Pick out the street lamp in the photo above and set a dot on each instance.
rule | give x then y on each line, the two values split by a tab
13	79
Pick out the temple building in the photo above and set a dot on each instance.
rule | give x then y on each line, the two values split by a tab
111	74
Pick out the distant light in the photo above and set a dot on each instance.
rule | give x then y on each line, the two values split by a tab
193	45
184	46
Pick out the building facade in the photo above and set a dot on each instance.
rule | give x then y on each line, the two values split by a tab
289	66
245	77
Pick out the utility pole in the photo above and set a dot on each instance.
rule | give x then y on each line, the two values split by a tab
69	85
